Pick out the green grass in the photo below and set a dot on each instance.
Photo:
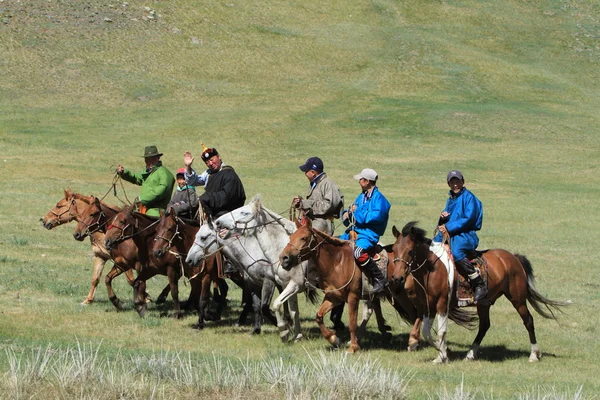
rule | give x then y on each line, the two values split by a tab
508	92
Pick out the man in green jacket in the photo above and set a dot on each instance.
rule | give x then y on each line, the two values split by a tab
156	181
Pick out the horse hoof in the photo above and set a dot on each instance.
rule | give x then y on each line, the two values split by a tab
283	335
384	329
298	338
160	300
255	332
440	360
534	357
177	315
334	341
198	326
86	302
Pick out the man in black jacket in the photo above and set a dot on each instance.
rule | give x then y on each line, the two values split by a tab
223	189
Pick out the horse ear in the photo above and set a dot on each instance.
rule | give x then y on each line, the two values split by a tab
67	193
395	232
298	223
161	213
306	222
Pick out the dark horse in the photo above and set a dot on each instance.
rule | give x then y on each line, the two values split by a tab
426	282
175	236
339	278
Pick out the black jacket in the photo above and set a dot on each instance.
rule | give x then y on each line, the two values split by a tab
224	192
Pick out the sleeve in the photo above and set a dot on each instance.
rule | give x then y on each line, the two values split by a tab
131	177
371	212
188	203
468	218
327	204
194	179
155	189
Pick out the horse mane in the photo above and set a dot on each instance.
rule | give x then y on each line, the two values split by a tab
331	239
418	234
192	222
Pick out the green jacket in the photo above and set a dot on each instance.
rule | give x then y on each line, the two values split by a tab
157	186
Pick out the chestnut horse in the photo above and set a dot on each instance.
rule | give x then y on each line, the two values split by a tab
427	283
175	236
69	208
339	278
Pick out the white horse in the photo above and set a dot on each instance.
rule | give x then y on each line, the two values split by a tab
270	231
248	257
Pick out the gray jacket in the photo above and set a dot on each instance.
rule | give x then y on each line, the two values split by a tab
324	200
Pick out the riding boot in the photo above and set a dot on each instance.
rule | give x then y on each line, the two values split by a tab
479	287
468	271
372	271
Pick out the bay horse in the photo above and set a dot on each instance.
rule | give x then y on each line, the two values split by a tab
175	235
70	208
141	229
339	278
426	281
93	222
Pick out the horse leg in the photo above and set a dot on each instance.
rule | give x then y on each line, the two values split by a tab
527	318
220	298
203	301
353	301
382	325
483	312
139	290
441	341
257	313
266	296
113	273
336	317
290	290
162	297
247	306
98	267
295	315
330	336
414	337
173	275
367	312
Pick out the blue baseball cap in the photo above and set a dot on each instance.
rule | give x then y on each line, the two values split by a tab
313	163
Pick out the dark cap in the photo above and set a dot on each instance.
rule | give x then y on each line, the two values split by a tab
208	152
455	174
313	163
151	151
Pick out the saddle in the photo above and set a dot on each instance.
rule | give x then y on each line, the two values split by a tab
464	292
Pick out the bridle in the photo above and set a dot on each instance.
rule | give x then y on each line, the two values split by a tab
68	210
302	254
176	234
412	263
134	232
96	223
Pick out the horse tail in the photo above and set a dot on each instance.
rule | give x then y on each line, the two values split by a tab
465	318
312	296
535	298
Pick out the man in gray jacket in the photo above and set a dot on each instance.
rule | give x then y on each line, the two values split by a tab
324	200
323	203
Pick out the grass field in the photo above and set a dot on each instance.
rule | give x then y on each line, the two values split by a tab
508	92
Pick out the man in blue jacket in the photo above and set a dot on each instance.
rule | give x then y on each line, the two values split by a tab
369	215
461	218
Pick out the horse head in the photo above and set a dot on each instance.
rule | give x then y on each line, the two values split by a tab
64	211
90	220
241	219
299	247
166	232
120	228
407	248
205	243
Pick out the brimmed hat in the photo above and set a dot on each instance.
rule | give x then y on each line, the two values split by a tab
180	171
208	152
313	163
368	174
454	174
151	151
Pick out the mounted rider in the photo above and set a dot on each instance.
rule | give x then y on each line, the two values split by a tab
156	181
369	213
185	201
223	189
460	219
324	201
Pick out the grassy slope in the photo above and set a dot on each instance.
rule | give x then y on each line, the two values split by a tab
505	91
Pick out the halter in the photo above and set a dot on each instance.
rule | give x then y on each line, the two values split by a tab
124	237
175	235
68	210
97	223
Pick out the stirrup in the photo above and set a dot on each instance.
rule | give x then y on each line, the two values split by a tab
480	292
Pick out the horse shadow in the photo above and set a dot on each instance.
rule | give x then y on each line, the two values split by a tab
494	354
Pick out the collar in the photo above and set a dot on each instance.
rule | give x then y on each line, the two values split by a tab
186	187
154	167
452	195
210	171
317	179
369	193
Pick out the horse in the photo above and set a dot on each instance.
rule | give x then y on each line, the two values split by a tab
240	252
338	277
271	231
175	235
93	222
426	281
141	228
69	208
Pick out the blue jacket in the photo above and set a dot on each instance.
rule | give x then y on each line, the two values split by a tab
466	216
371	218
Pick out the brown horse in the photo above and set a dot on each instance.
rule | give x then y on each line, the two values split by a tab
175	236
69	208
339	277
427	284
128	224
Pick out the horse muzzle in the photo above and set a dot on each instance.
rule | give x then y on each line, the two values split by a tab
287	262
109	244
158	253
48	224
78	236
